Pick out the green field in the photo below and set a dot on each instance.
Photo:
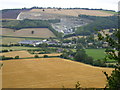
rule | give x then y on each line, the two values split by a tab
96	53
110	12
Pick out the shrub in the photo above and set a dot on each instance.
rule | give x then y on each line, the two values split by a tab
64	55
16	57
5	58
36	56
5	50
89	60
10	50
45	56
99	63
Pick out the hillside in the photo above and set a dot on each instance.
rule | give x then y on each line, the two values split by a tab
38	32
67	12
11	13
72	18
27	23
14	13
50	13
64	20
51	73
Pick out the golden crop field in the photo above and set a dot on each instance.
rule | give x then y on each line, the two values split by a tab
73	12
51	73
21	54
24	54
38	32
18	48
69	38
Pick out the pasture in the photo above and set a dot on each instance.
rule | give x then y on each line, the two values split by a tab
37	32
96	53
51	73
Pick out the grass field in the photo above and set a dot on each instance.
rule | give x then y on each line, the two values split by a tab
96	53
38	32
110	12
74	12
51	73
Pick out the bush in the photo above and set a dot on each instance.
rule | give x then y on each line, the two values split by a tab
89	60
10	50
80	55
64	55
36	56
5	58
111	65
16	57
99	63
5	50
45	56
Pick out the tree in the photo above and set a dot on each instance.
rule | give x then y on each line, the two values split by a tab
113	81
80	55
89	60
32	32
45	56
16	57
1	64
36	56
64	55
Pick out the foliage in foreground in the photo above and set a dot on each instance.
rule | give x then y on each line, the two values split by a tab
113	81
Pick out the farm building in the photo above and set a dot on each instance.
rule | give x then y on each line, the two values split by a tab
37	42
31	42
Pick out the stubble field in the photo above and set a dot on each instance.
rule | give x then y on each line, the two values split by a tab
74	12
25	54
51	73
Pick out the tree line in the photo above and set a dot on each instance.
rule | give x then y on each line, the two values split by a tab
98	23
